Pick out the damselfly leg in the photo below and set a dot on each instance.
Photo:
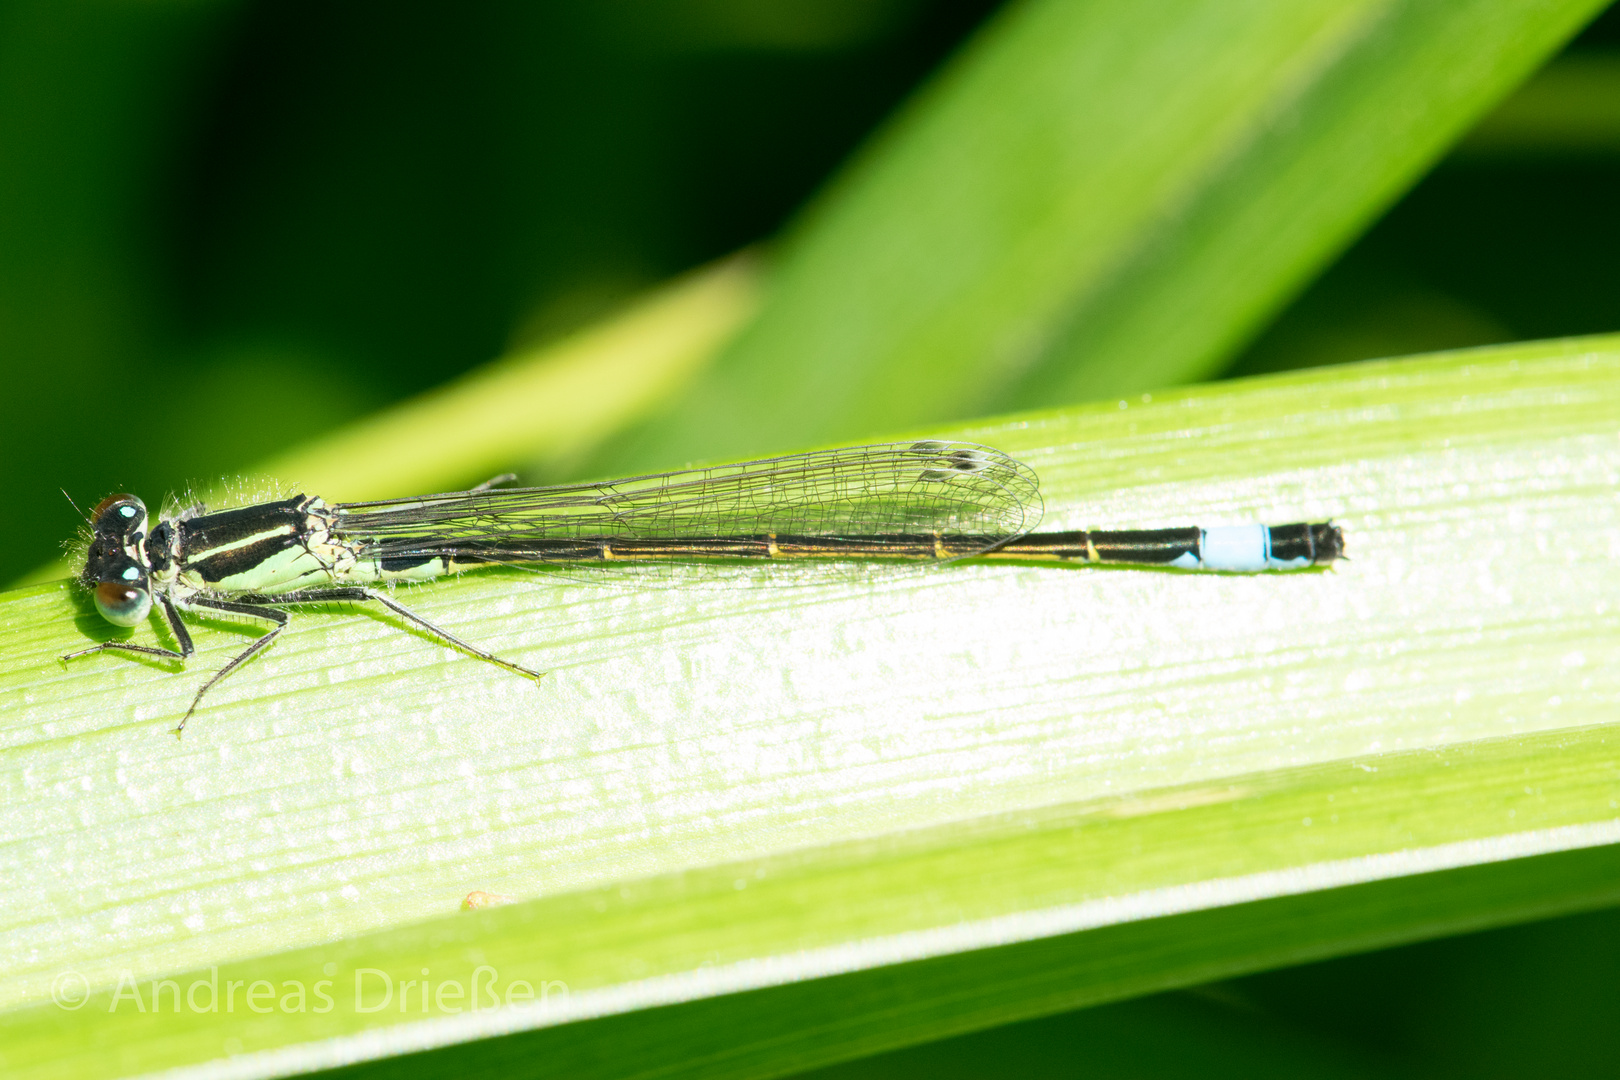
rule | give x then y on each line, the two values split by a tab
359	595
266	607
181	637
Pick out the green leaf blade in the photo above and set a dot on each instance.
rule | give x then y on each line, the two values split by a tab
907	775
1098	199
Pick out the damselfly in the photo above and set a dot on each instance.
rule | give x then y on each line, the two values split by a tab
926	501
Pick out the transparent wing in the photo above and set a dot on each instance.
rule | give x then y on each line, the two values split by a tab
925	499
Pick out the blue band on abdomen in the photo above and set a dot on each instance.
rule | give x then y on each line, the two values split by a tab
1239	548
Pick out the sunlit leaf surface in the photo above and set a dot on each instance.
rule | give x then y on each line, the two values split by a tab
734	787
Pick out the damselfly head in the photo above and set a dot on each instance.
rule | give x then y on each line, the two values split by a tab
113	569
119	515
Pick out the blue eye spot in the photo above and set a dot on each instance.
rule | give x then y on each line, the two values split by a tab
127	511
130	574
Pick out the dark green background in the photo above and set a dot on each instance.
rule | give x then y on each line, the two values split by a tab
224	226
1528	1001
227	225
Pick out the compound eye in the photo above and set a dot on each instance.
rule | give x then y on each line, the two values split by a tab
123	603
118	513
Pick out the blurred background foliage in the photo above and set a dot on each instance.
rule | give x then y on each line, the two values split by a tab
1535	1000
227	226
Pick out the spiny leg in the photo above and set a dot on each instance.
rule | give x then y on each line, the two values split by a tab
252	611
127	646
181	637
356	594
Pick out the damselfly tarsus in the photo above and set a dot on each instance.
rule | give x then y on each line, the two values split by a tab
921	502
